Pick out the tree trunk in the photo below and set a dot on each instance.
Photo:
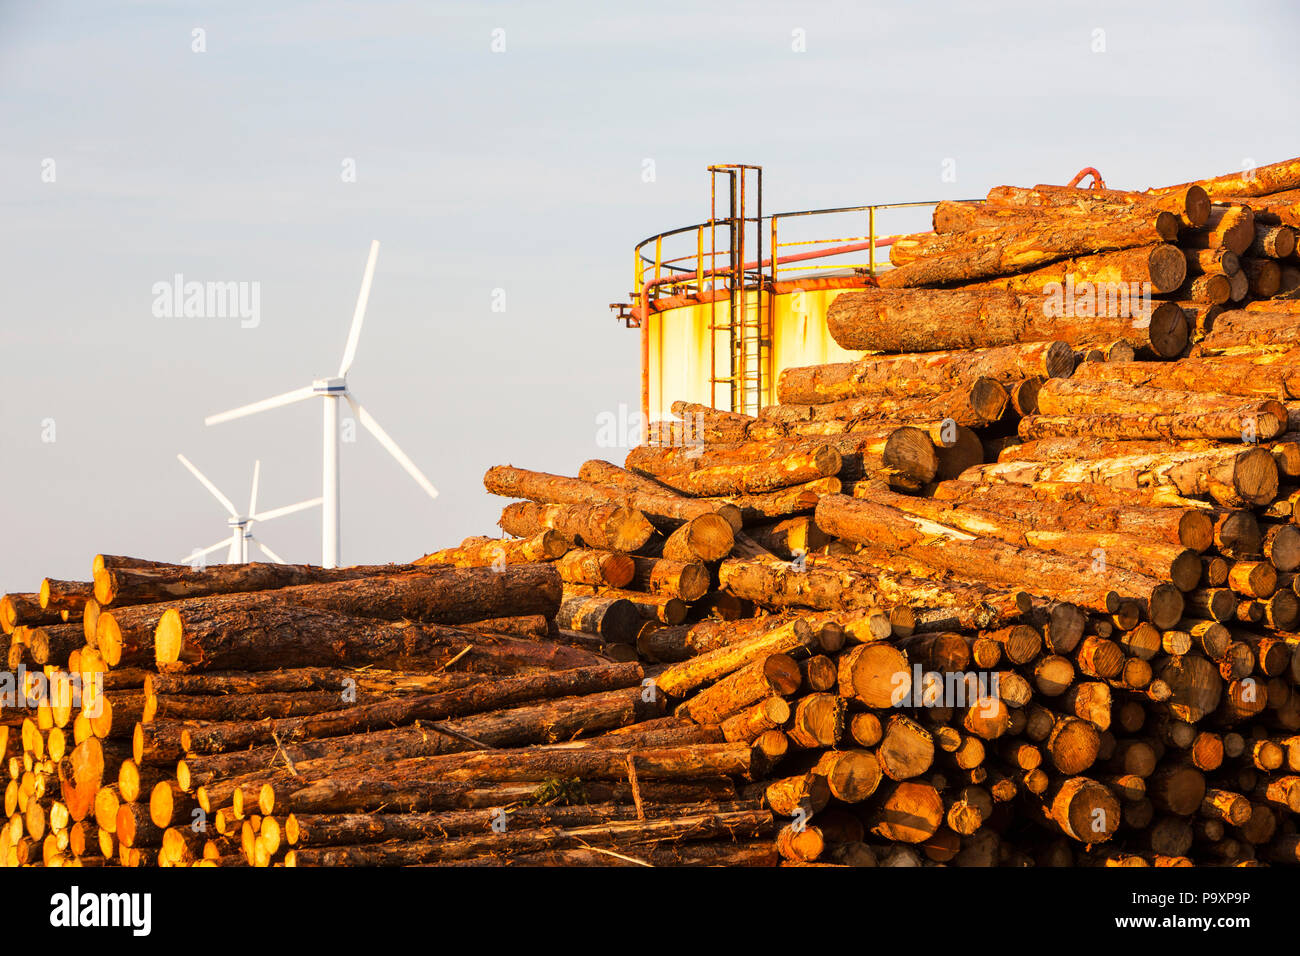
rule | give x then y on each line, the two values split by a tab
1092	506
69	596
1190	203
1257	181
677	679
909	812
1000	250
615	620
479	552
290	636
992	560
978	404
596	568
554	489
745	477
921	320
628	836
606	527
1044	529
126	585
1231	476
926	373
1259	419
1072	397
755	509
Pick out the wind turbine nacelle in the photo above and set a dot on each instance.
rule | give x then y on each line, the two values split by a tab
330	386
236	522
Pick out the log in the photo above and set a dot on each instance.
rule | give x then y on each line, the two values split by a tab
957	552
626	835
705	538
554	489
649	607
1257	181
927	373
755	509
1191	203
771	675
612	619
70	596
909	812
118	586
920	320
596	568
1084	810
906	750
1232	477
931	258
851	775
289	636
25	609
680	678
604	527
687	580
1157	268
1044	529
980	403
1071	397
479	552
1266	379
1095	506
751	477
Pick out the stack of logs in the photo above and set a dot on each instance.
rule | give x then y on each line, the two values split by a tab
1018	587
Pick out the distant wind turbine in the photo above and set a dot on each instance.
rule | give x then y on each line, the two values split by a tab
331	390
241	525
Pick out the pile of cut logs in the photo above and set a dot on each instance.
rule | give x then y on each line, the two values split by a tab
1017	587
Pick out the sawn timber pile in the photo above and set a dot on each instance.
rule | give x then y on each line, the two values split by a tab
1017	588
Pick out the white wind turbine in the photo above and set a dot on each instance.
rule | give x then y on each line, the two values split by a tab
241	525
331	390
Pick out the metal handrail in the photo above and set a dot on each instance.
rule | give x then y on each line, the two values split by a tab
683	269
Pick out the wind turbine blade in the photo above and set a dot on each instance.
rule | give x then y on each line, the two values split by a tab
252	498
216	492
288	398
287	509
384	439
268	552
359	315
223	543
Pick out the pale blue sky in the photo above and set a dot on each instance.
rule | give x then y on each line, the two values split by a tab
519	170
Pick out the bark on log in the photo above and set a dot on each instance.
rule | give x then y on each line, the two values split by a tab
596	568
678	679
995	561
69	596
927	373
1267	378
554	489
614	620
605	527
1158	268
480	552
1257	181
747	477
120	586
978	253
290	636
755	509
920	320
1191	203
1230	476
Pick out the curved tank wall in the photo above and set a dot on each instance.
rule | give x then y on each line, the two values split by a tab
679	354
